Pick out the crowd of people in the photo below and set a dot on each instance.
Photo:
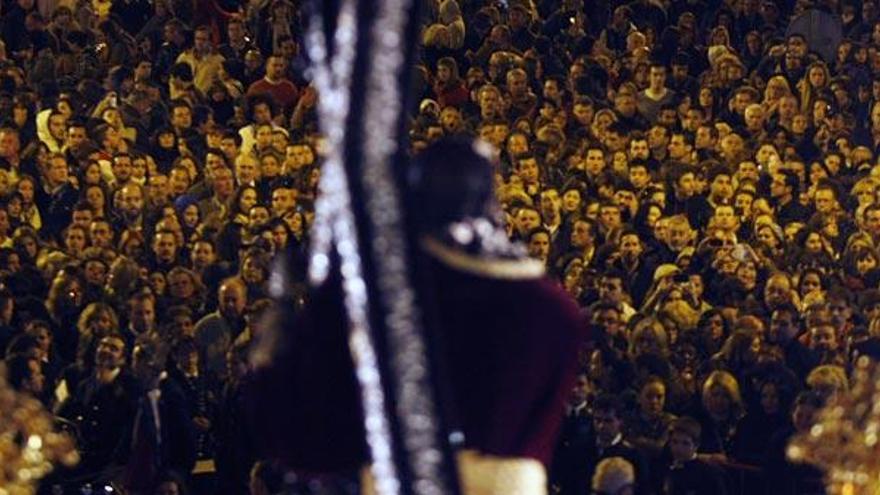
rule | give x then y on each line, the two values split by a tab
699	175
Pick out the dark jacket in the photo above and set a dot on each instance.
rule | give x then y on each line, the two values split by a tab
103	413
176	437
695	477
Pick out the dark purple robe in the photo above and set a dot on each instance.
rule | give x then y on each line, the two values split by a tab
509	353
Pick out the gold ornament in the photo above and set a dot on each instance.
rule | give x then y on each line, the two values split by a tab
845	440
29	445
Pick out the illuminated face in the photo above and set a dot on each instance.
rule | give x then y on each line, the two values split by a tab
866	264
527	220
724	218
630	246
528	171
246	171
825	201
181	117
539	246
638	149
595	162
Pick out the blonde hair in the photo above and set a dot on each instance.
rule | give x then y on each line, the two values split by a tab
655	328
726	381
613	474
828	376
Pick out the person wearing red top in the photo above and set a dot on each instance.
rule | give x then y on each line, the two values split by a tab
449	88
275	84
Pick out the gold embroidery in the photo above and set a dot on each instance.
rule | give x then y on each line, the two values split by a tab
489	475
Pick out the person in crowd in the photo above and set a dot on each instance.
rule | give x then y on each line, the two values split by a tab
701	180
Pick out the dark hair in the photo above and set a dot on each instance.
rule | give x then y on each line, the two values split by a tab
450	180
18	369
609	403
687	426
170	476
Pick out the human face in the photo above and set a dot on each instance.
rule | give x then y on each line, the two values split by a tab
75	136
825	201
191	216
686	185
678	147
224	184
275	67
264	136
527	219
743	203
181	117
571	200
627	200
678	236
181	286
280	236
777	291
283	201
638	149
682	447
610	217
202	41
813	243
202	255
817	77
754	117
717	401
95	273
246	171
251	271
131	200
748	170
811	283
703	138
528	171
611	289
82	218
58	171
652	398
657	78
607	426
630	246
865	264
56	126
721	187
823	338
595	162
725	218
247	199
122	169
639	177
75	241
550	203
232	300
300	155
747	275
782	327
165	246
539	246
872	222
258	216
179	181
110	353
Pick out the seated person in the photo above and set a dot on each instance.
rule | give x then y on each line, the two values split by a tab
688	473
